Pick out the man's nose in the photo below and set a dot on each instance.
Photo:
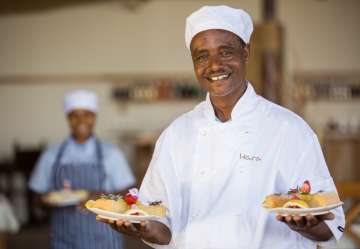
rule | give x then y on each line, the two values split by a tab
215	63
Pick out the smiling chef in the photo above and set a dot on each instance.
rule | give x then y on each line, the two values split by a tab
213	166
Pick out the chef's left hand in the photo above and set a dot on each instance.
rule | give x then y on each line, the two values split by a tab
304	223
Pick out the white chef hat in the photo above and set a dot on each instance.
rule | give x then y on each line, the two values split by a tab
223	17
80	99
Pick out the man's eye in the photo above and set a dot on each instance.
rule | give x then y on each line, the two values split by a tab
225	53
201	57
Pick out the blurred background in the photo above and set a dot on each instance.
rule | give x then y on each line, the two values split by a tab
305	56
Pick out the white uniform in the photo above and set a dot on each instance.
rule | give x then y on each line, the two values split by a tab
213	176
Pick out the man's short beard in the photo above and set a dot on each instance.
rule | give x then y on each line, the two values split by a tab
231	90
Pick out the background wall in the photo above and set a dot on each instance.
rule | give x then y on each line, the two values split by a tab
96	39
322	36
102	38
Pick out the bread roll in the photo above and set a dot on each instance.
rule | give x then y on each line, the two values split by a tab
117	206
156	210
323	199
296	204
274	201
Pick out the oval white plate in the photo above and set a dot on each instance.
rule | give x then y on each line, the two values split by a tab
70	200
304	211
66	202
117	216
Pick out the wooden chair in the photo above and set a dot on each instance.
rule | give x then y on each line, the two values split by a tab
350	190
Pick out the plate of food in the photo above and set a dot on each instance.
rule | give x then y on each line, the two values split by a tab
66	197
300	201
128	207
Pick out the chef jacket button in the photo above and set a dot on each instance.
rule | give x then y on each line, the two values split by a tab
203	132
193	216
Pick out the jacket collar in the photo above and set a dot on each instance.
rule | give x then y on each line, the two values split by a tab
242	109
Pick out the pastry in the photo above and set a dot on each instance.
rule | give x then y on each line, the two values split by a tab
275	200
129	204
109	204
296	204
66	194
301	197
322	199
154	208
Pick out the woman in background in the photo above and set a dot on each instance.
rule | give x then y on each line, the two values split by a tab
84	162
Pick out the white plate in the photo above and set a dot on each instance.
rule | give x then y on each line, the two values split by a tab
66	202
304	211
69	200
117	216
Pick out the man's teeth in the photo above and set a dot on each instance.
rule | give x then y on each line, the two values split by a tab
220	77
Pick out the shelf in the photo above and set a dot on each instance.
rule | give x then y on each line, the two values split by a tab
330	86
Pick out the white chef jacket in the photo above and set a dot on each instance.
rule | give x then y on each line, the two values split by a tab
213	176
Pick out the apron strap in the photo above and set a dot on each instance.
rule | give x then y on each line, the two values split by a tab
56	164
100	163
99	159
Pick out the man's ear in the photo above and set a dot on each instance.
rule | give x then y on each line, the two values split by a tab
246	51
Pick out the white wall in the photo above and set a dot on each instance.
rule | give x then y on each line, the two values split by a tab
106	38
90	40
321	35
102	38
33	113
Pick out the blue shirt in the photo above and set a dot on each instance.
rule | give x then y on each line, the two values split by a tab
118	174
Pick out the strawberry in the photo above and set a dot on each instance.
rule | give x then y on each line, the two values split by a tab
130	199
305	188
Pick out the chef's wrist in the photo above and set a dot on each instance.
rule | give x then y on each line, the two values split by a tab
151	234
318	232
158	233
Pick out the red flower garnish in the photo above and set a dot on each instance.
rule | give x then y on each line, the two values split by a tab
130	199
305	188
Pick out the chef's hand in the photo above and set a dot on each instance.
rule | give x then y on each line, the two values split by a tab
151	231
142	229
44	201
310	226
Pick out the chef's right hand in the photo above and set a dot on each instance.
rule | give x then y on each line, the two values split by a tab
151	231
141	230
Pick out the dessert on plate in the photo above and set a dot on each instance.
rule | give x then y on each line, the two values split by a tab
301	197
67	195
128	205
112	203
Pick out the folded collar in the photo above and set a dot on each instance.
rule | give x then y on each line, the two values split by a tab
242	109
